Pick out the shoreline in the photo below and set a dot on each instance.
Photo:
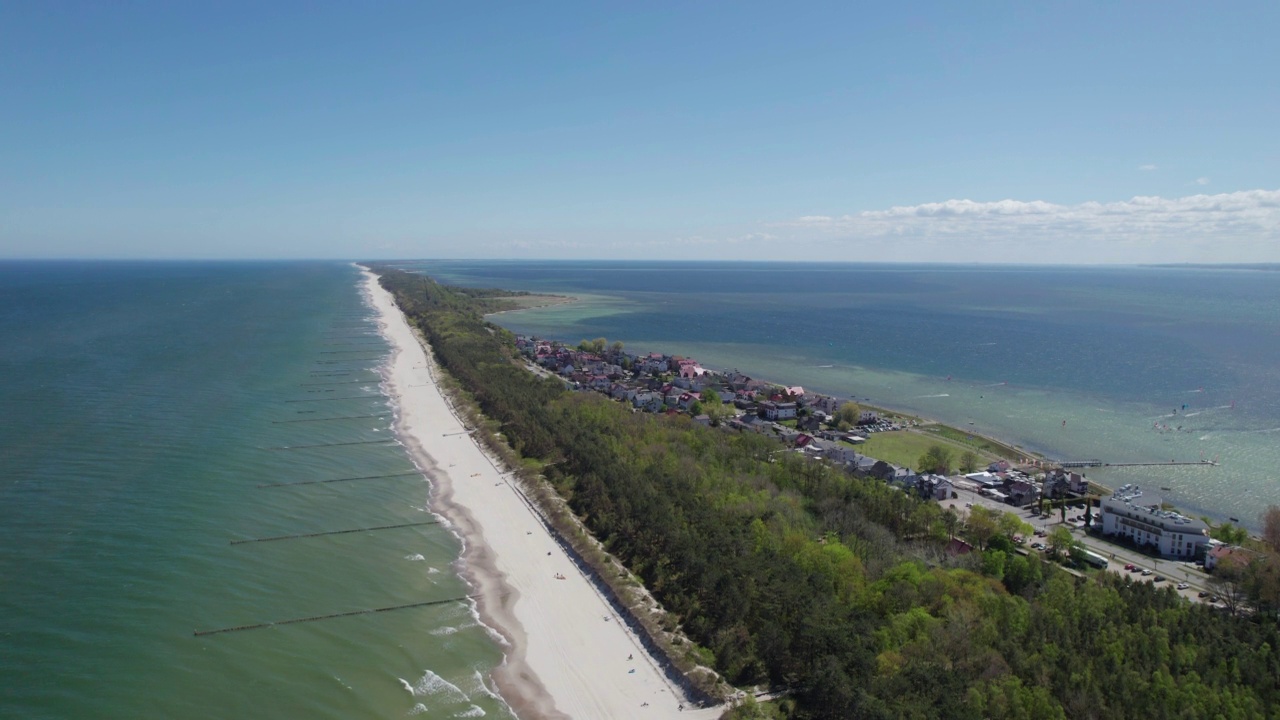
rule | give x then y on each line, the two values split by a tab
555	300
566	651
1016	451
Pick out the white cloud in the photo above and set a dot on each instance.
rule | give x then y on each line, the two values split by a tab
1148	167
1230	227
1202	181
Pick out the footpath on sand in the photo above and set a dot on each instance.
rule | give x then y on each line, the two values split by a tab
567	654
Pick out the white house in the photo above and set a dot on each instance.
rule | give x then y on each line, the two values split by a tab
1143	521
779	410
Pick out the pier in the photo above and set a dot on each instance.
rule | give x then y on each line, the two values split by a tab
1167	463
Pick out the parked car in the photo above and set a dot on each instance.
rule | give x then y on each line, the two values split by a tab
1183	586
1129	567
1146	572
1202	594
1159	578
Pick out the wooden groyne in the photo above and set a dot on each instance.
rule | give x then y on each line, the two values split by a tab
341	417
347	479
313	618
344	397
333	532
324	445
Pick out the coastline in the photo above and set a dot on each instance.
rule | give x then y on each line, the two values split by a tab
552	301
1016	450
566	652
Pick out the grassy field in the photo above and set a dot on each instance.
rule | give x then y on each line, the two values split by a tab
983	446
904	448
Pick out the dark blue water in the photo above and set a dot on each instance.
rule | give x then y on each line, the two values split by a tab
1112	351
139	405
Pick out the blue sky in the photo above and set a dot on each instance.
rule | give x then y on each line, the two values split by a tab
996	132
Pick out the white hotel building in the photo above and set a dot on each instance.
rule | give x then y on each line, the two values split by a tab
1142	520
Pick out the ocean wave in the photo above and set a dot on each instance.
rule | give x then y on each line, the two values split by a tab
417	709
432	685
939	395
473	711
480	686
414	557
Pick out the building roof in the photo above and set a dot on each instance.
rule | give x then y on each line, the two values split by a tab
1148	509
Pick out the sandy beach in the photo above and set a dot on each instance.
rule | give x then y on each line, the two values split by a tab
567	654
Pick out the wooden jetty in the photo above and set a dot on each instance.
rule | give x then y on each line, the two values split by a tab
1100	463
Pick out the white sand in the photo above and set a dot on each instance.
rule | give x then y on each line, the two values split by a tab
566	653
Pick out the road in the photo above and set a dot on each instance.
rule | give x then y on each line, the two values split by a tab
1175	570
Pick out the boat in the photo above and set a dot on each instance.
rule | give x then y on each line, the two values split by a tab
1167	489
1234	520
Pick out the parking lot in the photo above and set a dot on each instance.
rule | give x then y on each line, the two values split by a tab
1175	572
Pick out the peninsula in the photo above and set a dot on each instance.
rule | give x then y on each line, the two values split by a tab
837	592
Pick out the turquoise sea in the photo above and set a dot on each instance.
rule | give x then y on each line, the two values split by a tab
1075	363
141	405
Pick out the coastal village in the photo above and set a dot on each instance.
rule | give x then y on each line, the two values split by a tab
814	425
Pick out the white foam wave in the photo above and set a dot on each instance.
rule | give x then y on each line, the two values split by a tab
480	686
442	631
432	685
432	570
939	395
473	711
414	557
417	709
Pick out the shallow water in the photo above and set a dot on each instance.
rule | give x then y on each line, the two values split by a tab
1075	363
141	404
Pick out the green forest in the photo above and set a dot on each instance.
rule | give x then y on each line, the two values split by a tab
836	590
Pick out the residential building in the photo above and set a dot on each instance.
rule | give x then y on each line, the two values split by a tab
779	410
1142	520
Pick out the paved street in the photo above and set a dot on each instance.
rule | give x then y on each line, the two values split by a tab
1175	571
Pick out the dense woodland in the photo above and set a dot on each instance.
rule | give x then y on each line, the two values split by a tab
838	589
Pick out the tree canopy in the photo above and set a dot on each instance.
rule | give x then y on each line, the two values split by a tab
937	459
838	589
